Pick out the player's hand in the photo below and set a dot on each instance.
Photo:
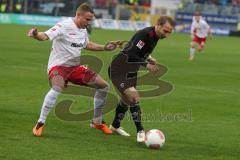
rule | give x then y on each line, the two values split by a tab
33	32
112	45
152	67
118	43
152	60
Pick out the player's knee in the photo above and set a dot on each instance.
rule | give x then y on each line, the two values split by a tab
136	100
58	88
57	83
133	99
101	83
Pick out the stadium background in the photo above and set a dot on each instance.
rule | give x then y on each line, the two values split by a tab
200	117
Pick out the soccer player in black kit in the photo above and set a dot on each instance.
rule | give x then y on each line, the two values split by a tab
124	67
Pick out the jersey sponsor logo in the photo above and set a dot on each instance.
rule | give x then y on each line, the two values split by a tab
72	33
76	45
140	44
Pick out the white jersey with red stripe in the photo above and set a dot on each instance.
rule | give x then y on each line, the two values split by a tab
200	29
68	40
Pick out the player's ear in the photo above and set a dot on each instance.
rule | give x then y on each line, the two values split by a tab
79	14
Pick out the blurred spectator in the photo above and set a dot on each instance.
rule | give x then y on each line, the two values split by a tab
212	7
132	2
112	4
147	3
236	3
51	7
234	10
223	2
57	7
91	2
219	2
121	1
3	6
200	1
18	6
101	3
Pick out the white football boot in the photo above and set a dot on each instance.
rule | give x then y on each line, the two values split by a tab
141	136
119	130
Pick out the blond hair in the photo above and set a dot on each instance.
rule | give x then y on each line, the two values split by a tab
85	7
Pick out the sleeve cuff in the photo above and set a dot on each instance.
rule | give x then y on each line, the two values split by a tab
49	35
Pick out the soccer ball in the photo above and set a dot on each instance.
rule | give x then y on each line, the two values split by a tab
154	139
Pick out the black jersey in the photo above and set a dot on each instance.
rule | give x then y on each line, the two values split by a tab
141	45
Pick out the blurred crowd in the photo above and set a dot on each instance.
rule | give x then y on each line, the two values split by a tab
108	7
219	2
44	6
15	6
103	3
212	7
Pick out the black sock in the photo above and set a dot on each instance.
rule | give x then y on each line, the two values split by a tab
136	116
120	112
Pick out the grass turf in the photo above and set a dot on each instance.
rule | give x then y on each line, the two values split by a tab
200	117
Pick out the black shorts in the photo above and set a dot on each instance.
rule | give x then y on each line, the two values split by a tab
122	73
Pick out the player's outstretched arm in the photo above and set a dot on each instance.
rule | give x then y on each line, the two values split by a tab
94	46
41	36
107	47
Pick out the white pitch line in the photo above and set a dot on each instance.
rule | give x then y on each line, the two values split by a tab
211	89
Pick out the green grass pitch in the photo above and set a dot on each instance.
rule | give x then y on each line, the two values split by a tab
200	117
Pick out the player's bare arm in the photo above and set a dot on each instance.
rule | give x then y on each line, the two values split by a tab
41	36
107	47
94	47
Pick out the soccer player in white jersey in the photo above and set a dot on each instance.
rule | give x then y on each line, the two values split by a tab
200	30
69	37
